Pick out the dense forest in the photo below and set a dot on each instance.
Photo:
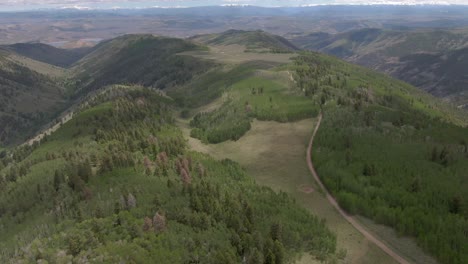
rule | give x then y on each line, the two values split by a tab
387	154
117	183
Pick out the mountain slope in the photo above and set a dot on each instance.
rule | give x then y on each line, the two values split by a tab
117	183
442	74
424	58
28	99
253	40
49	54
384	149
138	59
391	153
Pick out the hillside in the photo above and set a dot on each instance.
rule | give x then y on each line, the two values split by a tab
391	153
28	99
419	57
118	183
49	54
137	59
442	74
254	41
364	112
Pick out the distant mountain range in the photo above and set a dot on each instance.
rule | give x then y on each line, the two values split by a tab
434	60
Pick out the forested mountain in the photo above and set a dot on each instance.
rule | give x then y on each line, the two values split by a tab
28	99
137	59
431	59
118	183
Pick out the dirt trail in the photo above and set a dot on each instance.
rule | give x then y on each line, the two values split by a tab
50	130
348	218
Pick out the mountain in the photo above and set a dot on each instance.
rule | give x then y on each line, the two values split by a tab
49	54
28	99
430	59
138	59
253	40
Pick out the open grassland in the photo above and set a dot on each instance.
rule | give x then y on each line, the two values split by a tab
274	153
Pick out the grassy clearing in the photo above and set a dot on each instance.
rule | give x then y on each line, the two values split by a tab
235	54
274	153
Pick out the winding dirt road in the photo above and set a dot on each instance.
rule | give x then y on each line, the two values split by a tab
348	218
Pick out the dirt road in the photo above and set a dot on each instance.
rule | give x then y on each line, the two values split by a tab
348	218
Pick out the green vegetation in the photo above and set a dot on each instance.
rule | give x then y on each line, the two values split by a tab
254	97
137	59
117	183
386	152
433	60
211	85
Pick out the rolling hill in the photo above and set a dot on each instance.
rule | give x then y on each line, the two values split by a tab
255	41
430	59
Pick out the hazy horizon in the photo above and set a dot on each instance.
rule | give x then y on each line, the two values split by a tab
24	5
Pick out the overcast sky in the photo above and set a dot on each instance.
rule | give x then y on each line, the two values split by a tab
35	4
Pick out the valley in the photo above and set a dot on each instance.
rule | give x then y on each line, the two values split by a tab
274	153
